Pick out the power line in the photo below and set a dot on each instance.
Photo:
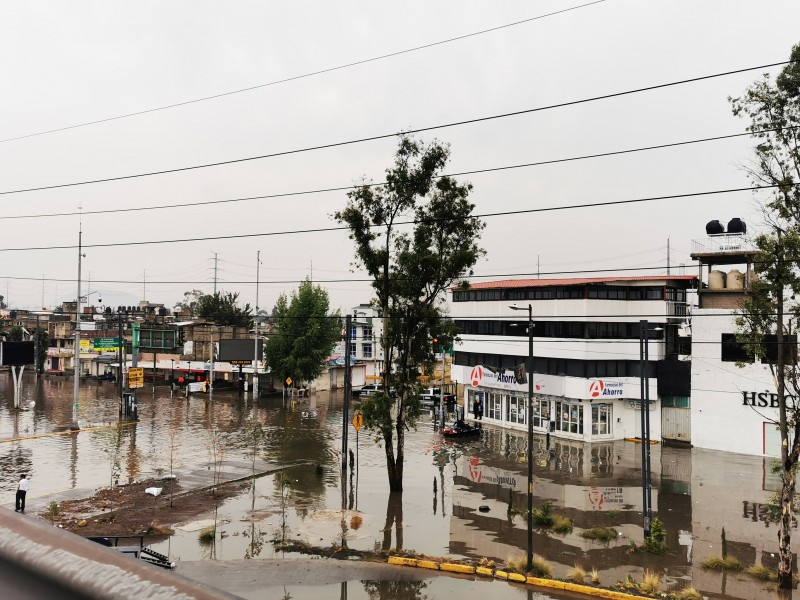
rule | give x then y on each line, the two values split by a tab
397	133
412	222
382	183
302	76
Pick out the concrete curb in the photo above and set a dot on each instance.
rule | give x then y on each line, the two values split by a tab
514	577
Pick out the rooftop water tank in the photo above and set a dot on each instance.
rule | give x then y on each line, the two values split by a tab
714	227
736	225
735	280
716	280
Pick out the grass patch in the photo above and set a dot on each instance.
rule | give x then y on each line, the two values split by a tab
688	593
540	567
206	536
600	534
595	575
718	563
761	572
542	516
576	574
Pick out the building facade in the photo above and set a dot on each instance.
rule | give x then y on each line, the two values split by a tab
587	353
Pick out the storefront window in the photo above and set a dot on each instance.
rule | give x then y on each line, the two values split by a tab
569	417
493	408
601	419
541	413
516	409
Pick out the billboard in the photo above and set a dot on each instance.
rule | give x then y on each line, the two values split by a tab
14	354
238	351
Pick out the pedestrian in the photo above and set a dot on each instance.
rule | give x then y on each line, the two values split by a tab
22	490
475	407
480	409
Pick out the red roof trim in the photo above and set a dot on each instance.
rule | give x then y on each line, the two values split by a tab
519	283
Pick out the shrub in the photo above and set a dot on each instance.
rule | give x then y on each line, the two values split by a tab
651	583
576	574
53	511
562	524
656	543
595	576
600	534
717	563
541	568
688	593
542	516
760	572
207	536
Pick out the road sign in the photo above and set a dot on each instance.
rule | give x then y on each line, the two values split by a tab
135	377
358	421
289	381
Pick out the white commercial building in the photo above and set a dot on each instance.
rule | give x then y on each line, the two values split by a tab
587	352
734	400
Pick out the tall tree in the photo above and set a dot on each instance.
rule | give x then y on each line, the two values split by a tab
773	110
304	333
190	300
223	309
411	269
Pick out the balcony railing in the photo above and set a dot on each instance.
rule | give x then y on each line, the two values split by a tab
726	242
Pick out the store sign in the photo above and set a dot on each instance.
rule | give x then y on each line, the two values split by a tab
604	389
763	399
476	376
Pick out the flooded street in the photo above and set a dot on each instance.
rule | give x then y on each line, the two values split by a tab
696	493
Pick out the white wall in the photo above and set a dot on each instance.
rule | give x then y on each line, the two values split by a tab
720	420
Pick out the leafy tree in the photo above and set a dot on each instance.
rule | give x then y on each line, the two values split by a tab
410	269
773	110
304	333
190	300
44	342
223	309
3	302
16	334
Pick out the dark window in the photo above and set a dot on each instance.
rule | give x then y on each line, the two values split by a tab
733	351
646	293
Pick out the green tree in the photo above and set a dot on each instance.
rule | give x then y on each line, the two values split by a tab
223	309
411	269
304	333
44	343
190	300
773	110
16	334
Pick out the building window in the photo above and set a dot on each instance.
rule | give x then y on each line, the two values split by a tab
733	351
366	350
569	417
541	413
367	333
353	348
354	333
675	402
601	419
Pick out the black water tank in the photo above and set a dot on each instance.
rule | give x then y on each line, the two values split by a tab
714	227
736	225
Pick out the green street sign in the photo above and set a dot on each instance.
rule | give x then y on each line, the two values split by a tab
108	343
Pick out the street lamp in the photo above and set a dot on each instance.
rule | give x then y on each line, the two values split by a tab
529	418
647	485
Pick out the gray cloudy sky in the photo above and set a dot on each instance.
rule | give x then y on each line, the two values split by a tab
63	64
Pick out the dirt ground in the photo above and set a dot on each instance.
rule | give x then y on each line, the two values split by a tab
128	510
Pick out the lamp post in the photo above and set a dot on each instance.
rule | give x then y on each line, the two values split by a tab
529	418
647	486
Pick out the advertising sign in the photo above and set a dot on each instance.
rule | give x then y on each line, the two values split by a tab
106	344
135	377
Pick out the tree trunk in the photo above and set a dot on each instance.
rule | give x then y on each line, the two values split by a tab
785	530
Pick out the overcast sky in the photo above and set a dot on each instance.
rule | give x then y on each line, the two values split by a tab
64	64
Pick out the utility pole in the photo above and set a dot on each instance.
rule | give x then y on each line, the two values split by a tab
255	327
77	352
216	260
346	404
667	255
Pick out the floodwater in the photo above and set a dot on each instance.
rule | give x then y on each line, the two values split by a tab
456	494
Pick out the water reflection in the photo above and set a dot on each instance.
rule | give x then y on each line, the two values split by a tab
696	493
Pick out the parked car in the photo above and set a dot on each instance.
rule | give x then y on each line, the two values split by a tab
370	389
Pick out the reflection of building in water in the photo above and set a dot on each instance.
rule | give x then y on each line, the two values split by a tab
696	493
